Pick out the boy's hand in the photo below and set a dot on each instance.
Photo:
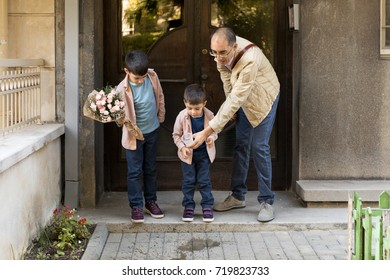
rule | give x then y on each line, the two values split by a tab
185	152
200	137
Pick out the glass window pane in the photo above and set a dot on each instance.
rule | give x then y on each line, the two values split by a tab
144	21
387	12
250	19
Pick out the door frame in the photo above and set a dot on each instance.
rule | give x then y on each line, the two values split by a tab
283	64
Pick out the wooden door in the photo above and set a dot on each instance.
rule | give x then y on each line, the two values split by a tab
181	57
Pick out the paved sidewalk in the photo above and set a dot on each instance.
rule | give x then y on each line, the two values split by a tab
276	245
296	233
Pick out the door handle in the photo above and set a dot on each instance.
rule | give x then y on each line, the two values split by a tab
204	76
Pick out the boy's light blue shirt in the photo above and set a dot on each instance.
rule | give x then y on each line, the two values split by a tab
145	106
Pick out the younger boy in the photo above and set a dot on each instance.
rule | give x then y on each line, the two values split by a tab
195	163
145	107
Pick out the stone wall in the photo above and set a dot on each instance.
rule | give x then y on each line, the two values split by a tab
344	109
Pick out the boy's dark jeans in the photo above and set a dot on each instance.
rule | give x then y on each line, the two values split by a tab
197	173
142	163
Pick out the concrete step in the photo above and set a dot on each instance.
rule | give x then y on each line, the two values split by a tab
337	191
290	214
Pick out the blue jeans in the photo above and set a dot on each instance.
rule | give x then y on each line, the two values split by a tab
256	140
141	163
198	172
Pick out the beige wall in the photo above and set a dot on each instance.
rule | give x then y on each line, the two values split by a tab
29	192
344	109
31	35
32	29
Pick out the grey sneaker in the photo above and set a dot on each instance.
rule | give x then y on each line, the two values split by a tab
229	203
266	213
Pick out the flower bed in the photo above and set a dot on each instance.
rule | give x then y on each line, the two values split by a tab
64	238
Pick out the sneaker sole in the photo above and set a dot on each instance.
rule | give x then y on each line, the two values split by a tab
230	208
187	219
208	220
265	220
137	221
154	216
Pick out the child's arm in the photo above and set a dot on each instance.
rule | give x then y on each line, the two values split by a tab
185	152
177	133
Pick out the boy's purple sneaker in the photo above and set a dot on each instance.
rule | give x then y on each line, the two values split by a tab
137	215
208	215
153	210
188	215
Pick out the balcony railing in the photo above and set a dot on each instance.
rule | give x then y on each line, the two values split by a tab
20	93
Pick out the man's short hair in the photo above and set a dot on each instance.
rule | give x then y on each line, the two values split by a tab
226	32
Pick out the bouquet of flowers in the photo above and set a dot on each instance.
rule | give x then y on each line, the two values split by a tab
106	106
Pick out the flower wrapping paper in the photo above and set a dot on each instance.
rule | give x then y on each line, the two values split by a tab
106	106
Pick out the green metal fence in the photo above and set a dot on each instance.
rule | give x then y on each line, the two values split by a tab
369	229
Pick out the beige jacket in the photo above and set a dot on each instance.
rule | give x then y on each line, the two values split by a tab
128	140
183	125
252	84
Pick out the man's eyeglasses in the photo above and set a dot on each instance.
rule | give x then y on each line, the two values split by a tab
221	54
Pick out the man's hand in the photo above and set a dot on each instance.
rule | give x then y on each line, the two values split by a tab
200	137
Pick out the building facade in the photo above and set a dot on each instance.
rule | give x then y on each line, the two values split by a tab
334	65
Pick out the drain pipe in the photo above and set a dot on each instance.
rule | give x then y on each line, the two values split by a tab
72	172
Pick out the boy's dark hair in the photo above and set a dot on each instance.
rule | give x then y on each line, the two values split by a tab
194	94
137	62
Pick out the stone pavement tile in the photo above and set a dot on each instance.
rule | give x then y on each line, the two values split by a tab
184	246
214	247
327	257
298	237
261	253
290	249
171	236
156	245
114	237
258	245
199	246
227	236
244	247
110	251
141	246
170	251
310	257
142	237
270	240
230	250
341	257
126	248
216	253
